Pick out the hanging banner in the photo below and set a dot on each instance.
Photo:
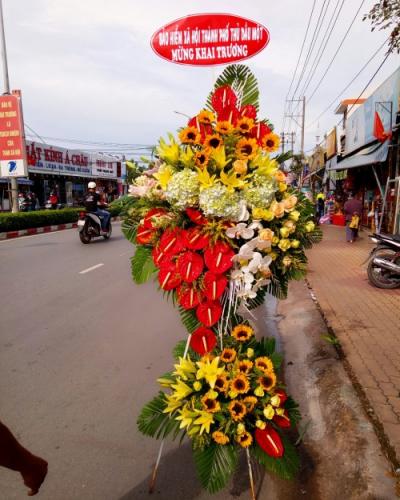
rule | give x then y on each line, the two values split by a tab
12	137
209	39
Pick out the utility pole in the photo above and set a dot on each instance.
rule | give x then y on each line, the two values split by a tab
14	183
283	142
303	119
287	138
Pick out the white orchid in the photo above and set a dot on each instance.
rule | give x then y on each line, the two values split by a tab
240	231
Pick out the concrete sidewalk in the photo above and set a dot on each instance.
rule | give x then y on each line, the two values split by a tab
366	321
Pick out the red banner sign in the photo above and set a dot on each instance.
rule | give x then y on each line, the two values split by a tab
12	144
209	39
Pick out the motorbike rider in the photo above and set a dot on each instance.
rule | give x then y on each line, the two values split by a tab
93	202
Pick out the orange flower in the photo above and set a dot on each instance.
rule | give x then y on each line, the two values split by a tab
250	402
267	381
242	332
221	384
224	127
206	117
220	438
244	439
201	158
271	142
237	409
246	149
189	135
244	125
228	355
213	141
240	384
264	364
245	365
210	405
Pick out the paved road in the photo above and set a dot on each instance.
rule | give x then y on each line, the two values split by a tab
79	355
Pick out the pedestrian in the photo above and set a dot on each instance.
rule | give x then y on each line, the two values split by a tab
14	456
53	200
33	201
21	202
352	212
320	206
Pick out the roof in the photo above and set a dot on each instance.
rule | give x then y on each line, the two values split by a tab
348	102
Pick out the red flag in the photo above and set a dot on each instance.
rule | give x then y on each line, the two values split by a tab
379	131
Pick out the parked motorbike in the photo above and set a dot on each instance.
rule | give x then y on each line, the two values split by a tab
89	226
384	261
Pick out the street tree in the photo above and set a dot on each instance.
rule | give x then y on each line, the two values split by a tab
386	14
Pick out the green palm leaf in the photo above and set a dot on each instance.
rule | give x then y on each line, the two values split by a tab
129	229
154	423
285	467
243	82
189	319
142	265
215	464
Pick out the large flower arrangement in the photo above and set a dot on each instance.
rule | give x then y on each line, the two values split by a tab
218	226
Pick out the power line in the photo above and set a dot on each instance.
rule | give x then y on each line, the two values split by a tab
336	53
334	101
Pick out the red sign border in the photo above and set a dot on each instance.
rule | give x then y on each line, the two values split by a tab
211	14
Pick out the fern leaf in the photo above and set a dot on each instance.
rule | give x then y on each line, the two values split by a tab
189	319
142	265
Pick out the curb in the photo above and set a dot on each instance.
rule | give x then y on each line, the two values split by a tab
39	230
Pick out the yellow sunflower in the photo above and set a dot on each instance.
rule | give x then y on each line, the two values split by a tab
246	149
206	117
213	141
224	127
211	405
240	384
201	158
244	439
250	402
264	364
245	365
242	332
221	384
244	125
189	135
267	381
220	438
237	409
228	355
271	142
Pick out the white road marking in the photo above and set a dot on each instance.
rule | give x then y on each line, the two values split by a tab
91	268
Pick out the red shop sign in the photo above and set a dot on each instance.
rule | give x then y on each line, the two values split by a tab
209	39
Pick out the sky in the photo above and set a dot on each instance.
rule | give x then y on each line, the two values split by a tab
87	71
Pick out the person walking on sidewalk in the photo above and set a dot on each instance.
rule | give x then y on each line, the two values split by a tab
352	209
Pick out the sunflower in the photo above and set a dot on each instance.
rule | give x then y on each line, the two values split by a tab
237	409
201	158
220	438
245	365
244	439
224	127
206	117
246	149
221	384
242	332
268	380
213	141
211	405
271	142
250	402
240	384
228	355
264	364
189	135
244	125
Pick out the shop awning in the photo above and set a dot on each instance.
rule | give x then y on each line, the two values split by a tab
367	156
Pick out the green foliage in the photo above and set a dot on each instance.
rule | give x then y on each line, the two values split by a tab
283	157
215	464
121	205
154	423
293	409
38	218
386	14
179	349
129	229
285	467
142	265
242	80
189	319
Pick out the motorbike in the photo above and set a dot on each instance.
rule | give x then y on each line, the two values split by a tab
384	261
89	226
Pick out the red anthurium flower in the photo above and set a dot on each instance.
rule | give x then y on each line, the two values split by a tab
203	128
223	97
282	395
259	131
188	297
144	235
282	420
203	340
168	276
214	285
160	257
249	110
154	212
196	216
219	257
195	239
269	441
171	241
190	266
209	312
229	115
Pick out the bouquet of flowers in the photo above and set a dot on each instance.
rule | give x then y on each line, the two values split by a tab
215	221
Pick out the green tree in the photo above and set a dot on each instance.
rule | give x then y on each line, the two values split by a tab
386	14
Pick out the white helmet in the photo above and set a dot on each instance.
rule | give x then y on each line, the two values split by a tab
92	185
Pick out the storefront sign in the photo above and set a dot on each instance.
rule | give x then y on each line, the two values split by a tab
104	166
331	144
12	138
209	39
360	123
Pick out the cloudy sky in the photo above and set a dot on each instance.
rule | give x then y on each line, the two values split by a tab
87	71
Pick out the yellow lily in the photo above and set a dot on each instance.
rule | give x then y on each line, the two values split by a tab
172	405
165	382
184	368
206	180
264	165
232	181
205	420
187	157
219	156
186	417
181	390
169	152
164	175
209	370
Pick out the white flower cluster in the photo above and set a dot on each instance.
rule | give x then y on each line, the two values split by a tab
217	201
183	189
